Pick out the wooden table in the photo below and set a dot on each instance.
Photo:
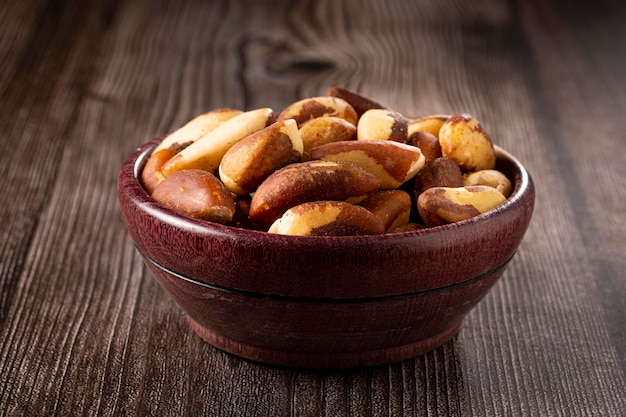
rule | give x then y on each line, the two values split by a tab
85	330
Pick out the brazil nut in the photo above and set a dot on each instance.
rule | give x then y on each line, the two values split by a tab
310	108
310	181
327	218
247	163
463	139
392	207
198	194
428	144
393	163
323	130
359	103
152	173
431	124
206	153
441	205
197	127
490	177
440	172
381	124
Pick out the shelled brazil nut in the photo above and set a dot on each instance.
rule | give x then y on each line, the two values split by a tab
337	164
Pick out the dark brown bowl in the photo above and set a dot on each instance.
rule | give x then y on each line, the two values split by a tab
325	302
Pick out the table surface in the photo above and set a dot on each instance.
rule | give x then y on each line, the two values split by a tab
86	330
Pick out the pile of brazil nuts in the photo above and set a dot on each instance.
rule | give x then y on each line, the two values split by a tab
335	165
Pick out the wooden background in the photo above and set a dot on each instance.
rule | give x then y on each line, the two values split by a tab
85	330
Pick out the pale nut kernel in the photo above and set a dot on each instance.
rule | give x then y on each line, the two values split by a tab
442	205
360	103
248	162
196	193
428	144
309	181
381	124
392	207
323	130
206	153
327	218
310	108
392	162
490	177
197	128
463	139
431	124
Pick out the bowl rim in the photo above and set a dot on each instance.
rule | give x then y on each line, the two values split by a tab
135	163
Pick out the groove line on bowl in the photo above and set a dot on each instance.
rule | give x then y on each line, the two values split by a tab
303	299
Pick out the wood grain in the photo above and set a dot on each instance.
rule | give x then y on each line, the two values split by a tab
85	330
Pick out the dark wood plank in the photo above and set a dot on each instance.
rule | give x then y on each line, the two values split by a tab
85	330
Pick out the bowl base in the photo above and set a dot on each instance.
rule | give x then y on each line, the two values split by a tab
323	360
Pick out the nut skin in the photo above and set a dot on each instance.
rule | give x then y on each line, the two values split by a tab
198	194
360	103
206	153
309	181
151	175
323	130
428	144
442	205
440	172
197	127
248	162
431	124
392	207
382	124
327	218
463	139
310	108
392	162
490	177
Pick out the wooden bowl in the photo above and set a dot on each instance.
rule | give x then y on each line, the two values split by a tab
325	302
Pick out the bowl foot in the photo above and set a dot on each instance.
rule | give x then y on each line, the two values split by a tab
323	360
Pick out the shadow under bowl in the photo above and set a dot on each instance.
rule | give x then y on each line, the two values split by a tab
325	302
